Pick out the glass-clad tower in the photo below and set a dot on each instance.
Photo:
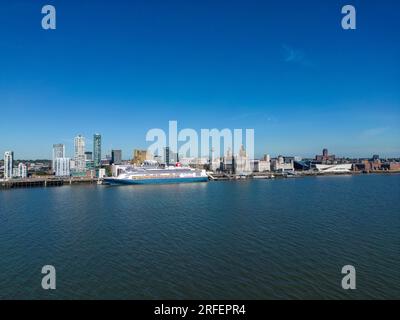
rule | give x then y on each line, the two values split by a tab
97	150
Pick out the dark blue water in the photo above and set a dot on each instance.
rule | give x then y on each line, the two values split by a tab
282	239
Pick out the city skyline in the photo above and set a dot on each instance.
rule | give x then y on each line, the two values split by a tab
87	148
139	65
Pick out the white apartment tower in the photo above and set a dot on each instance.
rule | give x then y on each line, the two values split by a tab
8	164
63	167
58	152
22	171
79	153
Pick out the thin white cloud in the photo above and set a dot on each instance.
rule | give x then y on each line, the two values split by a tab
374	132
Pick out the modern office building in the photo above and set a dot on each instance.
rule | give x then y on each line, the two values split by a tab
79	153
22	171
88	156
166	156
89	163
8	164
97	150
116	157
63	167
170	158
58	152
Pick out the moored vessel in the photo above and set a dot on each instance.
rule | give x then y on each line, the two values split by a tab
153	174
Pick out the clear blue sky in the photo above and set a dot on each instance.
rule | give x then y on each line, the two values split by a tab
285	68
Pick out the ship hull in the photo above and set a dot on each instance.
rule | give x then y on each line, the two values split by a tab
110	181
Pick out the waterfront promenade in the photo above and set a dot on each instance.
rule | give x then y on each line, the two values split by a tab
51	181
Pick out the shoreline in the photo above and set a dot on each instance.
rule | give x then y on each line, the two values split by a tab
53	182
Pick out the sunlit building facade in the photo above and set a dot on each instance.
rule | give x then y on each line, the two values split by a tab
58	152
97	150
79	153
8	164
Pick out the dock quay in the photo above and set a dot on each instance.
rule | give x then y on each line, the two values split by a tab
51	181
44	182
226	176
297	174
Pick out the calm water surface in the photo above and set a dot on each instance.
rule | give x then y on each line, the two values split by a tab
282	239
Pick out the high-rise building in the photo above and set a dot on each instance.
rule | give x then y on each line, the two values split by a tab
89	163
242	162
58	152
139	156
79	153
63	167
8	164
22	171
166	156
170	158
116	157
88	156
97	150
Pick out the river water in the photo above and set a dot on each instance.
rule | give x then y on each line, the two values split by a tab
264	239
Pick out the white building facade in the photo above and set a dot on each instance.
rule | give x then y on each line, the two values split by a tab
79	154
282	164
58	152
242	163
261	165
62	167
102	173
8	164
22	171
334	168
